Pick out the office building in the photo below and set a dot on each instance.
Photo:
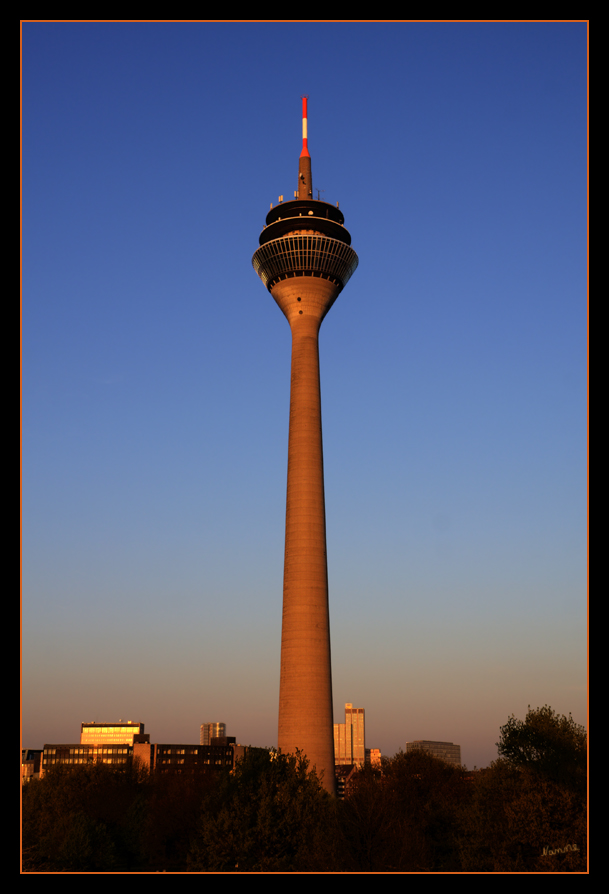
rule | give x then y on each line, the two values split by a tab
211	731
124	741
72	755
445	751
304	260
190	759
344	776
350	738
30	764
374	758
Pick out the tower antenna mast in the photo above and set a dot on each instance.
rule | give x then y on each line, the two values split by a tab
305	179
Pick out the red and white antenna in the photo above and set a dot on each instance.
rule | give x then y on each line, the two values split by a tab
305	146
305	180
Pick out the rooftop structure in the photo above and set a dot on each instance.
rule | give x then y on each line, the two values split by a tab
120	733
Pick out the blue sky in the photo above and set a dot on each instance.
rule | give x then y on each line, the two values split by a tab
155	382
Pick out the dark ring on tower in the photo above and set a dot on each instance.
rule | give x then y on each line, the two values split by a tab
310	255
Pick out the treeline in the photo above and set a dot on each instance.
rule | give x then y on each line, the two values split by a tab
525	813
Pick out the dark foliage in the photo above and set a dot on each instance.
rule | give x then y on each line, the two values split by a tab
551	745
404	820
518	820
525	813
81	819
96	818
270	815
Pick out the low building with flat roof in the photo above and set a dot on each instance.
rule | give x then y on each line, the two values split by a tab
445	751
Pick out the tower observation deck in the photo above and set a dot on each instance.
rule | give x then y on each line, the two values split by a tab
305	259
305	238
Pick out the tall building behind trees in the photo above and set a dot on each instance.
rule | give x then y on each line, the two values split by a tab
350	738
211	731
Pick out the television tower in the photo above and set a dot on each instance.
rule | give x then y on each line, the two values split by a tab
305	259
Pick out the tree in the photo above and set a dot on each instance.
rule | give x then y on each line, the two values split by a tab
74	818
365	827
517	820
405	819
527	811
170	813
96	818
270	815
427	793
549	744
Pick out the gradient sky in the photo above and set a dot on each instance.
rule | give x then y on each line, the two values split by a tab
156	372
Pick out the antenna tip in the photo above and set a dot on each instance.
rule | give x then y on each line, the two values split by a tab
305	144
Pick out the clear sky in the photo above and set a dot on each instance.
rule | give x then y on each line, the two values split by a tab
156	372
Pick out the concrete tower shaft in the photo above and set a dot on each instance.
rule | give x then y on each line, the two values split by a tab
305	258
